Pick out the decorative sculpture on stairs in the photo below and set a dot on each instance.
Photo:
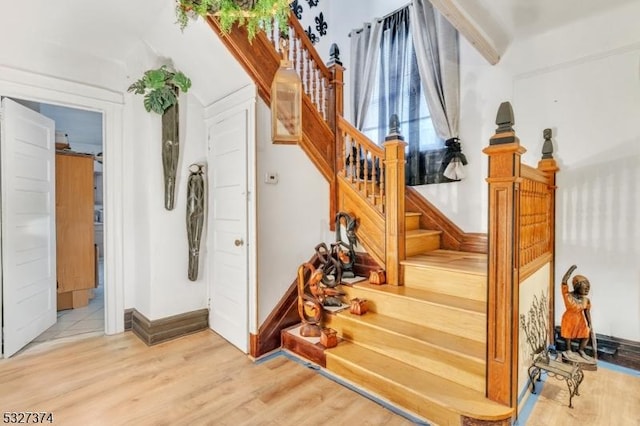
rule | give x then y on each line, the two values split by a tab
309	308
343	251
310	304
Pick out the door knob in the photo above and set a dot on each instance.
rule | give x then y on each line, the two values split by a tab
238	242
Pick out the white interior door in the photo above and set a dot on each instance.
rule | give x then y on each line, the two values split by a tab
27	162
228	193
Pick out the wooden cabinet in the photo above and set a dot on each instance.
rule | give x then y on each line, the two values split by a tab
76	260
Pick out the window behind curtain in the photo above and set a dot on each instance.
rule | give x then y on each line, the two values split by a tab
398	90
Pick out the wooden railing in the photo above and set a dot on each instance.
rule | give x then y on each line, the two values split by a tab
315	75
361	162
536	243
521	241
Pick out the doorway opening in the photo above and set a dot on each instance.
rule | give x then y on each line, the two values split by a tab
79	221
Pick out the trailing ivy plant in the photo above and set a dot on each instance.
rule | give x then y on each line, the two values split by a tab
160	88
254	14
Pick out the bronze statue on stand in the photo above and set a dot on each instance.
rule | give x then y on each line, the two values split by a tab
576	320
343	251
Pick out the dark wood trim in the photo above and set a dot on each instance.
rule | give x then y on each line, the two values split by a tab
622	352
283	316
304	348
128	318
453	238
365	264
468	421
156	331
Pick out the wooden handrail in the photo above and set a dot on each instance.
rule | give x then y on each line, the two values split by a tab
533	174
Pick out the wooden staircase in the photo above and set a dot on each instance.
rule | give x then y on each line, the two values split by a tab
422	345
429	343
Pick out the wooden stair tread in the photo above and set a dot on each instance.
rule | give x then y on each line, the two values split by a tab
426	296
451	260
457	344
420	383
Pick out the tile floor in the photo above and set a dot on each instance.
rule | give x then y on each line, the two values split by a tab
72	322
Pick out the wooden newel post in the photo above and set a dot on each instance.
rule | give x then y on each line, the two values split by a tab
335	109
336	88
504	153
394	181
549	166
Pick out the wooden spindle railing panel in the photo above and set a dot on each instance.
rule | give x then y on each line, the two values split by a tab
361	162
260	58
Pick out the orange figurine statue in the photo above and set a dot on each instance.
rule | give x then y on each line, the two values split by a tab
576	320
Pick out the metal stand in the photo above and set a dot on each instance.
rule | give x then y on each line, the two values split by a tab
571	373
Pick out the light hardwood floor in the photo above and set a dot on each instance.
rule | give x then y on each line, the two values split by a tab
195	380
608	397
202	380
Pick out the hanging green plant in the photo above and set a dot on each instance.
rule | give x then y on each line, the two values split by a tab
254	14
160	88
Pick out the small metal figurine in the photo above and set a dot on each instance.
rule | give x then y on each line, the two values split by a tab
576	320
344	251
195	216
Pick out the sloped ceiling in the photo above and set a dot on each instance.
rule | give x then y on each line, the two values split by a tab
113	31
505	20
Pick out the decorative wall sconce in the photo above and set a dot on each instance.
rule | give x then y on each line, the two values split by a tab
286	101
195	216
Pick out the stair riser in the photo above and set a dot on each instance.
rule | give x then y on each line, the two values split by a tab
447	364
471	325
446	282
421	244
393	392
411	222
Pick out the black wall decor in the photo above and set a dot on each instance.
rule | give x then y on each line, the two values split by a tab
321	24
296	8
312	36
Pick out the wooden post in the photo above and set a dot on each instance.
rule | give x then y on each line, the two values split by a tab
394	178
549	166
504	153
335	109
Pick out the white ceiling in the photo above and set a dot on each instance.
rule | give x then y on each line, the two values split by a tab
112	29
107	28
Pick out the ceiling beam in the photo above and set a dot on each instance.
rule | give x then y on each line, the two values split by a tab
460	20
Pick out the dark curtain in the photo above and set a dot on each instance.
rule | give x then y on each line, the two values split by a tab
399	91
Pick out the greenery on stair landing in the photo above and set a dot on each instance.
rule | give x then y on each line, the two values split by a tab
160	88
254	14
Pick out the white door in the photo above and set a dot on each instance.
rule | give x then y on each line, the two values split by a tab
228	246
28	225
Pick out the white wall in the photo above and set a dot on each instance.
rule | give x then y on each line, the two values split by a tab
583	84
293	215
154	250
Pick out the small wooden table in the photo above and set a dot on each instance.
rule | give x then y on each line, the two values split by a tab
571	373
